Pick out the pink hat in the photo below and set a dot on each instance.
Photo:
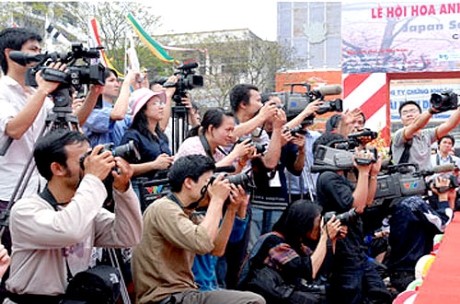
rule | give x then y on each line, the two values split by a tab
140	97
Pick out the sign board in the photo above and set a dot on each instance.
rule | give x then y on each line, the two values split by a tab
399	37
420	90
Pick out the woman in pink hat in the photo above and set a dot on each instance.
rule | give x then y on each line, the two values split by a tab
147	112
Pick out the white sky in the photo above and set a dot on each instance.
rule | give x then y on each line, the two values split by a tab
183	16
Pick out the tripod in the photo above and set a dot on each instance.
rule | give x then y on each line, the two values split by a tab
61	117
179	126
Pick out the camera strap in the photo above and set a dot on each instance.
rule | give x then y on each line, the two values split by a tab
406	153
207	148
48	196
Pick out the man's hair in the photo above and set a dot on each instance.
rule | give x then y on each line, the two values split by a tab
240	94
447	136
326	139
192	166
409	102
51	148
14	38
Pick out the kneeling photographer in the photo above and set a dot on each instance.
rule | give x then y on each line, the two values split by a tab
54	232
354	279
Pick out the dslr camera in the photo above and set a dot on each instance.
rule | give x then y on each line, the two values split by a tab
128	152
444	102
242	179
345	218
188	80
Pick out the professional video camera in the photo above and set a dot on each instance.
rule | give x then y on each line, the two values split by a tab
79	71
296	102
406	180
187	81
445	101
360	138
298	130
340	157
345	218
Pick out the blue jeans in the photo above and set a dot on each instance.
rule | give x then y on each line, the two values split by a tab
262	222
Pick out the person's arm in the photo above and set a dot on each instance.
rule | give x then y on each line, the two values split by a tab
299	141
87	106
162	162
167	108
444	128
310	109
120	107
4	260
328	230
19	124
360	195
374	171
272	157
237	195
268	111
416	125
218	192
125	227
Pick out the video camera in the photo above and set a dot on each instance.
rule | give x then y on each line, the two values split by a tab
407	180
187	81
296	102
359	138
79	71
444	102
340	157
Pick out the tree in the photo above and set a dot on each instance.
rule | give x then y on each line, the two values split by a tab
228	58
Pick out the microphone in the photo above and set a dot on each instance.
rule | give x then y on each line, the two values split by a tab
25	58
327	90
188	66
439	169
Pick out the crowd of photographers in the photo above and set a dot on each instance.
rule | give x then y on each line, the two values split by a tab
259	208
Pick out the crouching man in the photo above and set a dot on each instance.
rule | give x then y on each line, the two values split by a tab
162	262
54	232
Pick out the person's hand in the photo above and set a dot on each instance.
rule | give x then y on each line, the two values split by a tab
219	189
268	111
440	185
76	104
348	119
49	86
363	155
299	141
162	162
4	260
312	107
331	228
243	148
122	175
342	232
171	89
132	78
237	197
279	120
99	164
286	136
375	167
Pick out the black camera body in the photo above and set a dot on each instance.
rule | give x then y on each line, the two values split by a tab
444	101
298	130
242	179
188	80
345	218
76	74
128	152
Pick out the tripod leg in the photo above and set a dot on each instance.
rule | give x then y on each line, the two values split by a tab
123	289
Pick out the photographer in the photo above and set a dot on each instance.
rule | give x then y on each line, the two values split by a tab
354	279
25	109
108	123
147	135
162	262
298	251
53	233
411	144
413	225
